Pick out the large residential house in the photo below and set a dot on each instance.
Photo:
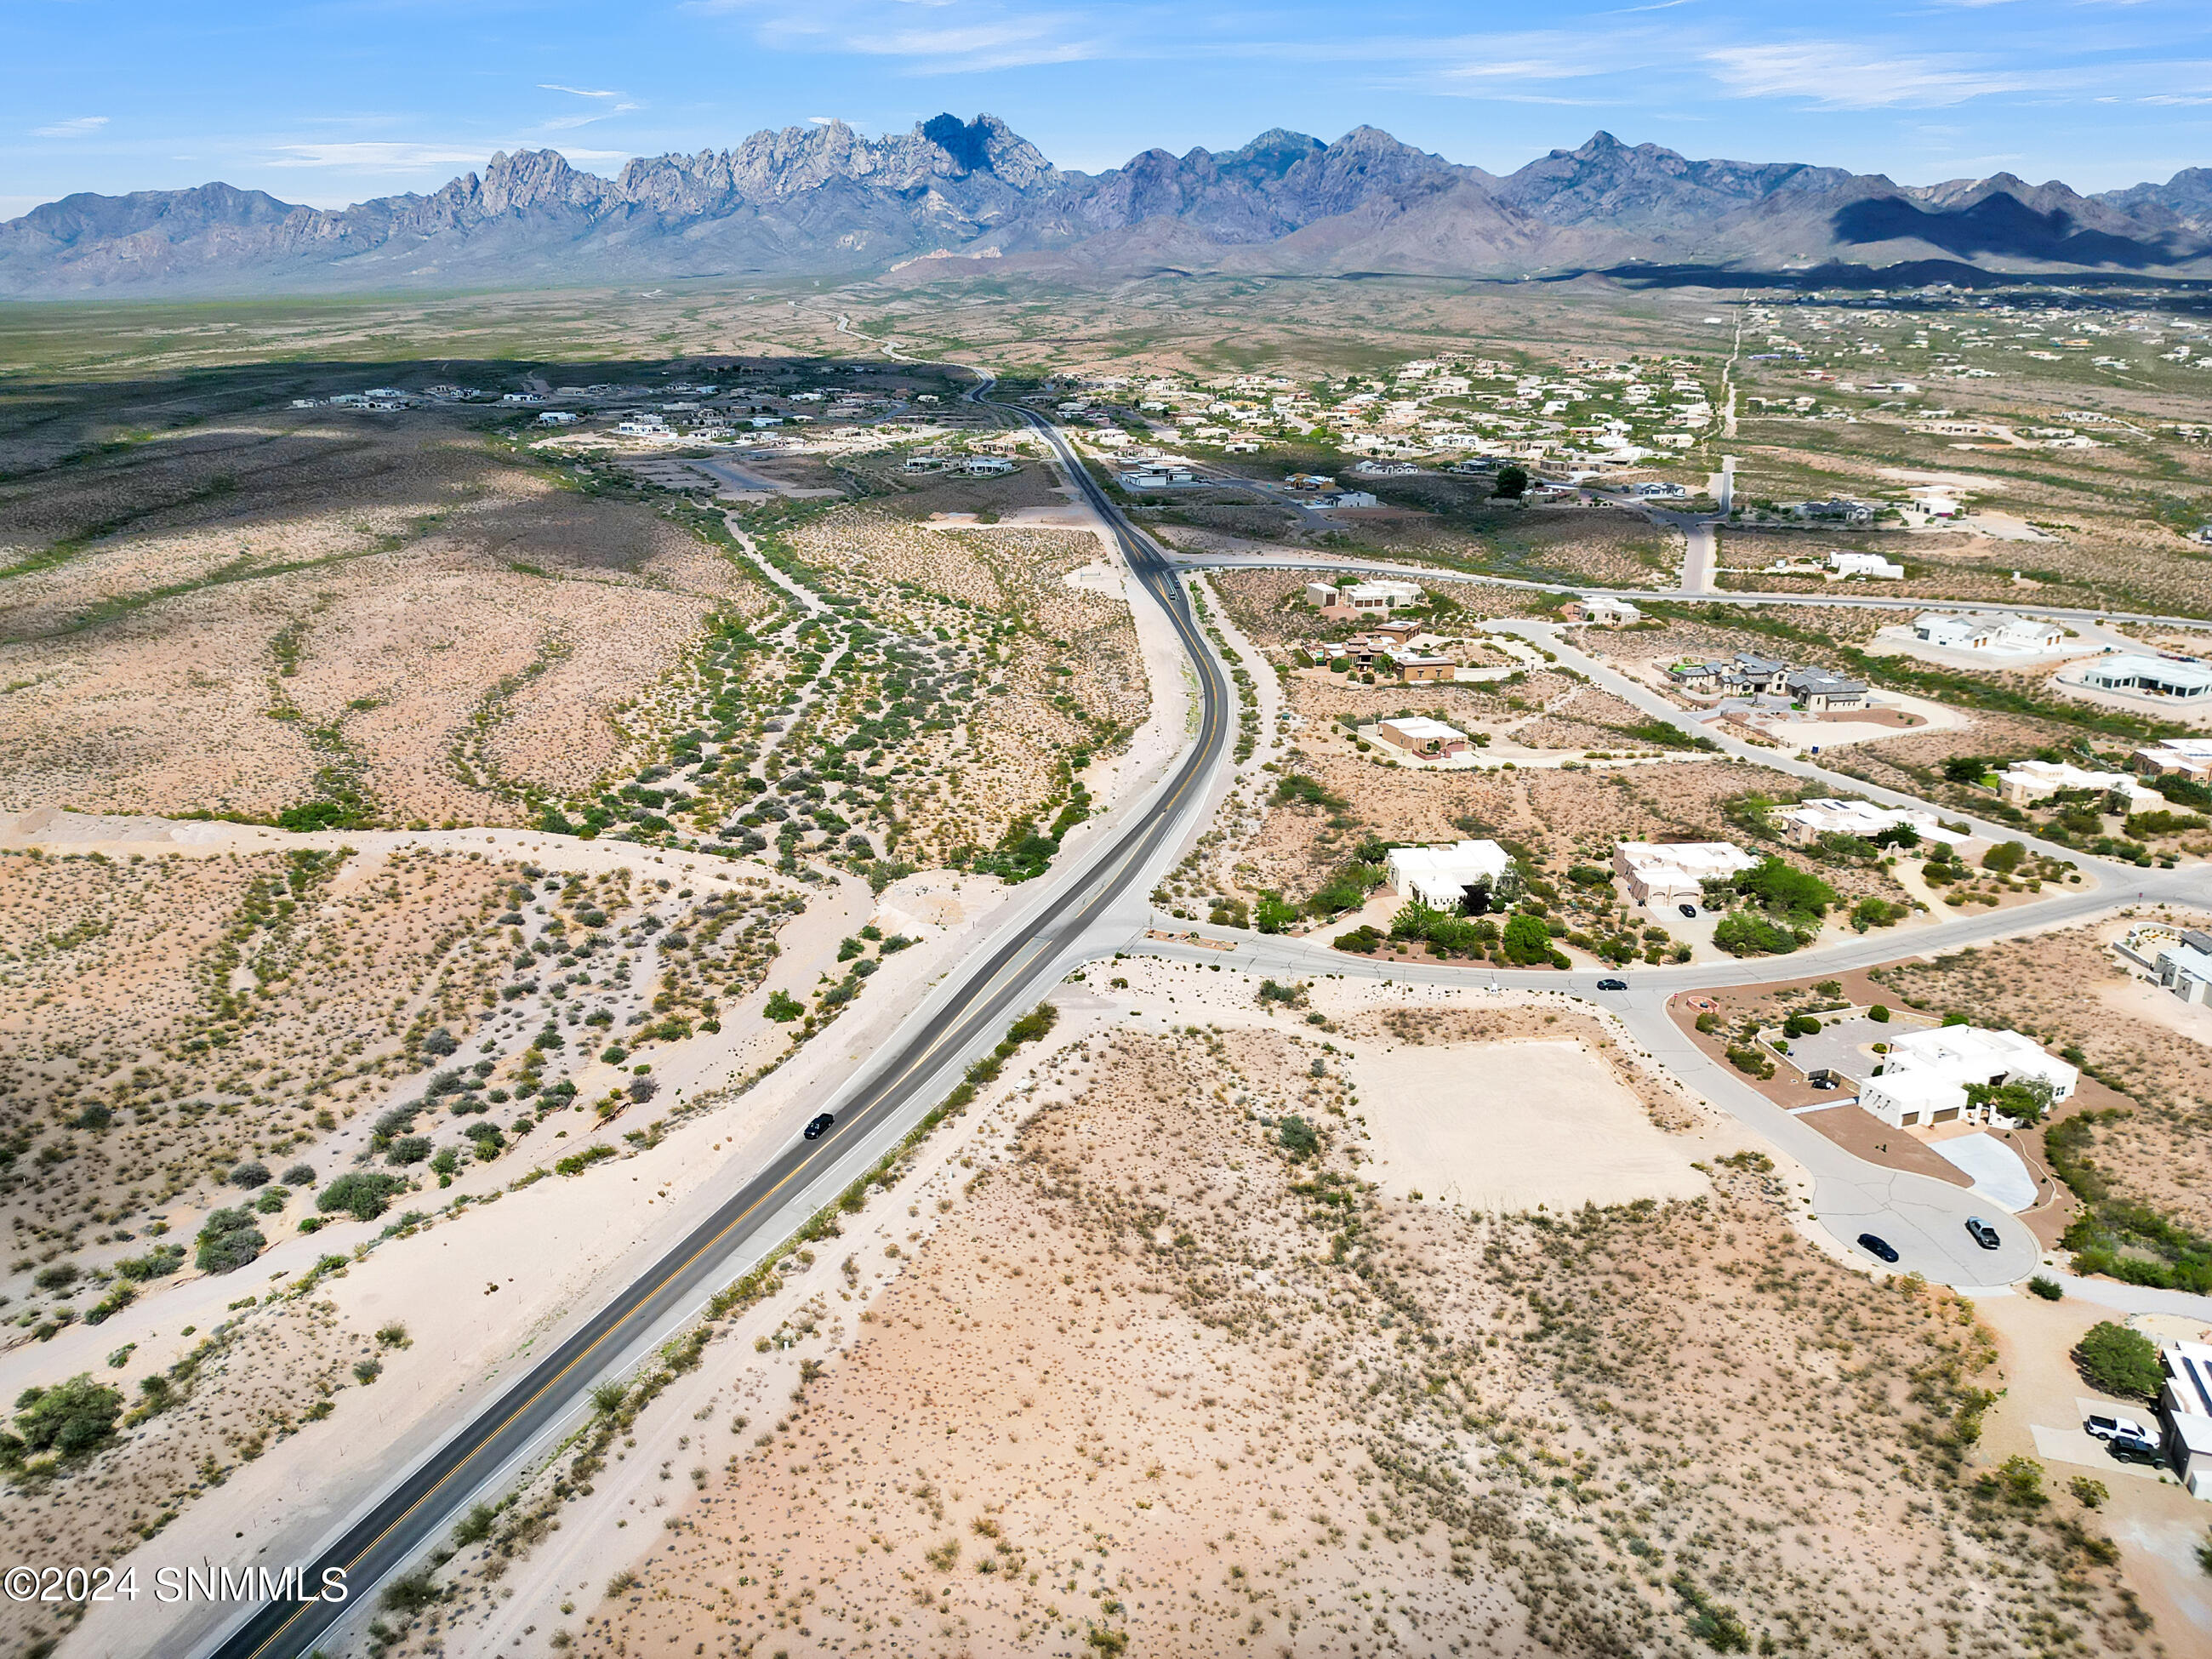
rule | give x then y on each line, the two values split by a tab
1819	692
1660	873
1923	1078
2150	677
1414	669
2181	757
1992	631
1362	598
1466	878
1743	677
2025	782
1810	820
1599	609
1815	689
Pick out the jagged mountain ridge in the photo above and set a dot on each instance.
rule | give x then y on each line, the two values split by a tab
824	200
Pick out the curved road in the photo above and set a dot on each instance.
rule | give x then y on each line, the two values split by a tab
1924	1218
915	1069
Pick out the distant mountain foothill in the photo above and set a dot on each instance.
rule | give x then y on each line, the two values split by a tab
824	200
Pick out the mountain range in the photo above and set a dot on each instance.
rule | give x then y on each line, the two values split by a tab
824	200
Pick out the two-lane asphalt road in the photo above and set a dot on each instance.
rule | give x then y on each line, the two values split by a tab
914	1068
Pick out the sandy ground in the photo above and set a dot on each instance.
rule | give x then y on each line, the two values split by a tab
1514	1126
1126	1397
2139	999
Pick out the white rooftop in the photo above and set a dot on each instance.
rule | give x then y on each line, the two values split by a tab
1422	729
1440	876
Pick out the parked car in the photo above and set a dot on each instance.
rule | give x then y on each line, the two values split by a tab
2129	1449
1613	985
1982	1233
2103	1427
820	1127
1689	910
1877	1246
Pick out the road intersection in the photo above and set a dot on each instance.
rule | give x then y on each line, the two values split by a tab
1095	905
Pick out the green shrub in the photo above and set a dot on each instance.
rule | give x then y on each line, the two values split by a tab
1798	1026
364	1194
1743	934
2046	1287
1873	912
73	1419
2004	858
1879	1014
1527	940
1751	1061
1298	1137
783	1007
2120	1361
1785	890
157	1263
228	1241
408	1149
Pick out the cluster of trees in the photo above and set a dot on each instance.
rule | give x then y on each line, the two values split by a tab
1784	914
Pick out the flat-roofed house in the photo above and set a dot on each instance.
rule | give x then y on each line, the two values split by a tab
1416	734
1465	878
1924	1079
2185	1414
1810	820
1414	669
2183	758
1674	872
2150	677
2025	782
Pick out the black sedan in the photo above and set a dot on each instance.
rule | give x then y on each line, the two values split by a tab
1613	985
1690	911
820	1127
1874	1245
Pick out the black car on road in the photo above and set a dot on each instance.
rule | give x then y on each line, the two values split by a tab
1874	1245
1690	911
820	1127
2129	1449
1613	985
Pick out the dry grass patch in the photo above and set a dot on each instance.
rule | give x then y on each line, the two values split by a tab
1164	1385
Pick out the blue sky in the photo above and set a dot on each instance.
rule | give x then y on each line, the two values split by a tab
337	100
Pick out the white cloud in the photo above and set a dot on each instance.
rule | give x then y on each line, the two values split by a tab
378	157
1836	75
580	92
982	46
81	126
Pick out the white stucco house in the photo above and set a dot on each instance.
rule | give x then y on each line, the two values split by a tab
1923	1078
